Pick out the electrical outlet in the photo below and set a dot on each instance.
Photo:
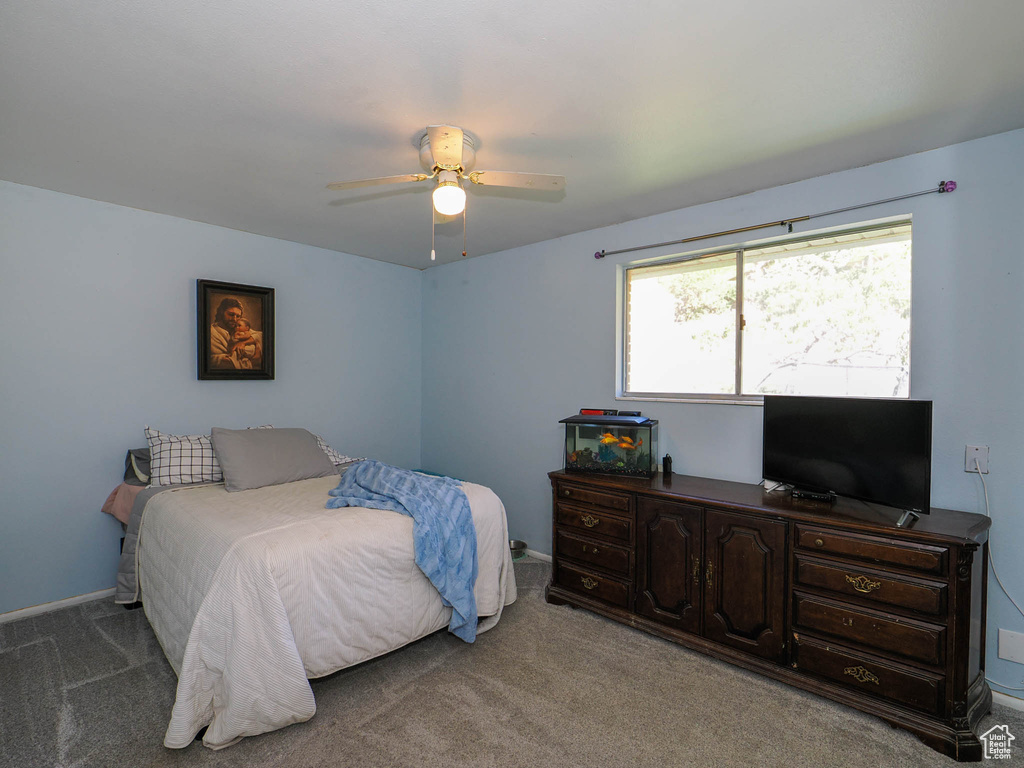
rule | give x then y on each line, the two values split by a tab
976	458
1011	646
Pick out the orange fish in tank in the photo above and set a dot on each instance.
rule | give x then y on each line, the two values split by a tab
608	438
627	444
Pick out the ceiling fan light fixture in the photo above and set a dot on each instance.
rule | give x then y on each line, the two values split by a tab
448	154
449	197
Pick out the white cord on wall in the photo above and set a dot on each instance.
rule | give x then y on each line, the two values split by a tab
992	563
991	558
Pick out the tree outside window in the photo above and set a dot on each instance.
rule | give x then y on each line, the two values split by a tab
824	316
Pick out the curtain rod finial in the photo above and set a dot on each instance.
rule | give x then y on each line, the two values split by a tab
947	186
599	255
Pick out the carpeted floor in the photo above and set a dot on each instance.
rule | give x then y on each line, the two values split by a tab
549	686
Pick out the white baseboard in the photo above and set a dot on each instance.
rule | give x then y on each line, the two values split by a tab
1008	701
539	555
35	610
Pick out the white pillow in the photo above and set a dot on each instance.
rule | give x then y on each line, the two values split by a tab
335	457
181	459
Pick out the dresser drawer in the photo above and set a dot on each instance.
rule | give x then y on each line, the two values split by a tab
590	496
595	521
919	557
913	639
915	595
865	674
593	585
606	556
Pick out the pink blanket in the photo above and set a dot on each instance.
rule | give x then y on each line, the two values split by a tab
119	502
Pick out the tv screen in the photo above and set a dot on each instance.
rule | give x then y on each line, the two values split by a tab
874	450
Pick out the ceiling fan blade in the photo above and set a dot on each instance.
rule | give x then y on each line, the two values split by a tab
446	146
541	181
375	182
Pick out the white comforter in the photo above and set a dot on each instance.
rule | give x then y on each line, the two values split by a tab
251	593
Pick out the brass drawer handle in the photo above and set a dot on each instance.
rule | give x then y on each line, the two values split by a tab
588	582
592	550
709	573
566	492
819	543
863	583
589	520
861	675
696	570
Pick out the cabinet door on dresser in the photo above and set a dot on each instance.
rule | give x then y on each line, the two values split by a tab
669	540
744	582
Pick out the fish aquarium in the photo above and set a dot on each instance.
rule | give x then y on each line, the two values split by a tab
613	445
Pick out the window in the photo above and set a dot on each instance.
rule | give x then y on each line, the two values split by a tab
828	315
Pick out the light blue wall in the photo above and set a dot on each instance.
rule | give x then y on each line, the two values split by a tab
517	340
98	319
97	307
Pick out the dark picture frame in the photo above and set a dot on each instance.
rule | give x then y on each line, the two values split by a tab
227	349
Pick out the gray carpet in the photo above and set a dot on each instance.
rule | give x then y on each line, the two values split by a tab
549	686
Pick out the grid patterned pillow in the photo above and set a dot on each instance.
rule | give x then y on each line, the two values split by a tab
181	459
335	457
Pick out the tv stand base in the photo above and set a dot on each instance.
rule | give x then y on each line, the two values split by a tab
907	519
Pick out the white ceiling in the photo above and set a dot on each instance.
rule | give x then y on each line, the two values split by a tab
239	113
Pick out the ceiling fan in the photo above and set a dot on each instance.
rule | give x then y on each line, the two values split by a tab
449	154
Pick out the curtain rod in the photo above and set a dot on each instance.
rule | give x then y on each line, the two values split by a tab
944	186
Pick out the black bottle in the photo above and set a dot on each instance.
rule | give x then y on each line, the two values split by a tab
666	465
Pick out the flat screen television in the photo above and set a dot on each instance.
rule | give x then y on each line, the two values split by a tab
876	450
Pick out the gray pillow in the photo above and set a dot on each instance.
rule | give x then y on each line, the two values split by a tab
136	466
253	458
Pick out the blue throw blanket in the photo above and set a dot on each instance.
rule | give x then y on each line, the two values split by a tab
443	532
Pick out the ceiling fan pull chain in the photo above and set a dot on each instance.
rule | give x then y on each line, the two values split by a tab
464	232
433	256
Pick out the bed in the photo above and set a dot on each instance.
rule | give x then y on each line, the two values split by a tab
253	592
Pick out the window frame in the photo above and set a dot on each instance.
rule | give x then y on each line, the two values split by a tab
734	398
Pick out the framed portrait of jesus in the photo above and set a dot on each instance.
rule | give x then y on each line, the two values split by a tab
235	331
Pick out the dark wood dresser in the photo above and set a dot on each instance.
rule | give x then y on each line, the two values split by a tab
832	598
